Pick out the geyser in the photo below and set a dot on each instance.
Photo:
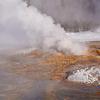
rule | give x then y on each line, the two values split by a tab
22	26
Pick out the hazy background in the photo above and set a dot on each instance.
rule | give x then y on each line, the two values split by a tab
73	15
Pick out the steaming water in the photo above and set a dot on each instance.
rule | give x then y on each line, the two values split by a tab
26	27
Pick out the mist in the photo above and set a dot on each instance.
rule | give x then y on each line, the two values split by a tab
73	15
22	26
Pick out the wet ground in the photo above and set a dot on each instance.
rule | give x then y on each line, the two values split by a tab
19	83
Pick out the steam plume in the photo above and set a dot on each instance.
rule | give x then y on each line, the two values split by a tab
22	26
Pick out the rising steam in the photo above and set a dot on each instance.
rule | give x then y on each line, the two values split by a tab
22	26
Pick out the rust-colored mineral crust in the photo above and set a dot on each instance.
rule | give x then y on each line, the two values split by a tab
44	65
64	62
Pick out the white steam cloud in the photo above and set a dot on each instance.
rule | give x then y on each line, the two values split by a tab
22	26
